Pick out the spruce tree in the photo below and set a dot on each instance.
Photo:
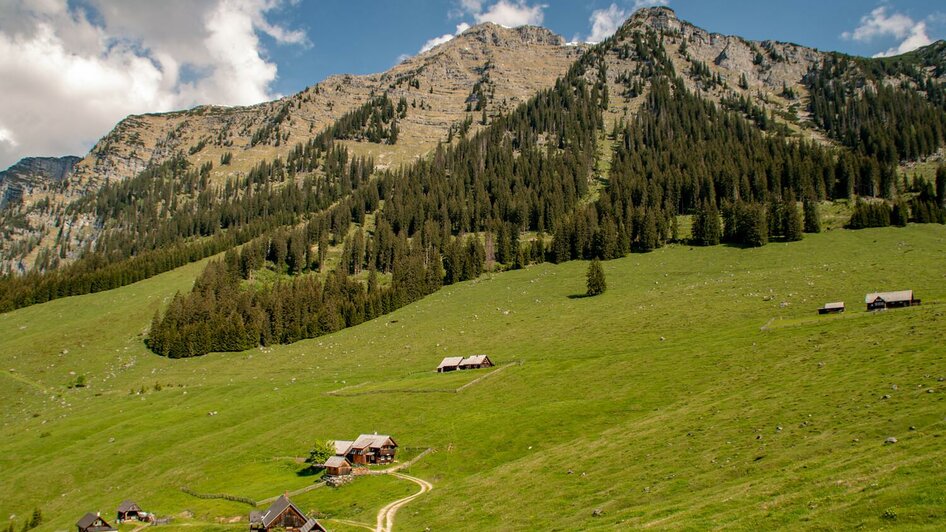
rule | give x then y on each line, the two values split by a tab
812	218
941	185
595	279
791	222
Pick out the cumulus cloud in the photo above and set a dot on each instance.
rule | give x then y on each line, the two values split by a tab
879	24
69	72
604	22
436	41
512	14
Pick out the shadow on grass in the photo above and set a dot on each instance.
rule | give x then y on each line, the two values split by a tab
581	296
310	471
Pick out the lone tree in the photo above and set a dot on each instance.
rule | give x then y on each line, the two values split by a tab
812	218
320	452
596	282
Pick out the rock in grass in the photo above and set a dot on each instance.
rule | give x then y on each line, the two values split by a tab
890	440
598	512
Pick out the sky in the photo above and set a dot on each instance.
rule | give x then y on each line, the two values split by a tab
71	69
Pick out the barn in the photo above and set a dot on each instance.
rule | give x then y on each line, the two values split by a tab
91	522
885	300
832	308
337	466
283	515
449	364
476	362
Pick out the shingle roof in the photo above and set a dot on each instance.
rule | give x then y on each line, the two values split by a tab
474	360
450	362
900	295
337	461
276	509
373	441
342	446
128	506
89	519
836	304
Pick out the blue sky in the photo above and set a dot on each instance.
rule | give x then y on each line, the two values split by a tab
71	69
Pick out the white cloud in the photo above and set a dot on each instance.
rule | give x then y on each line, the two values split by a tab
604	22
436	41
878	23
638	4
512	14
67	76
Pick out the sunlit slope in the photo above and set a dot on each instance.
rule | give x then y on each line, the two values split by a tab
702	389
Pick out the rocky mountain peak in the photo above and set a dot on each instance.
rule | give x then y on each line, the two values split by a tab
658	18
497	35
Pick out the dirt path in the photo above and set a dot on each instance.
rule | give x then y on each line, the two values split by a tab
385	521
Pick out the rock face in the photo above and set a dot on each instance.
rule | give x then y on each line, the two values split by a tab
31	173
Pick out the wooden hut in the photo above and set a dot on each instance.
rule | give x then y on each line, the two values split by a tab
476	362
885	300
372	449
337	466
832	308
449	364
283	515
93	522
128	510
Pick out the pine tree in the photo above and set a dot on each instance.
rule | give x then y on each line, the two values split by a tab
941	185
595	279
812	217
791	222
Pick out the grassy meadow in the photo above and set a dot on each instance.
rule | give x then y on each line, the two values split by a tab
702	390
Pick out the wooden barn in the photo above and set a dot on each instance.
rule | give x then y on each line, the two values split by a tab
449	364
885	300
832	308
91	522
283	515
476	362
129	511
337	466
372	449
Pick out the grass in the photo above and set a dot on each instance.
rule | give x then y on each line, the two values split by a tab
661	402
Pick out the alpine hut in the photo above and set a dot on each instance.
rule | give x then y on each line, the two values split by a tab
337	466
476	362
283	515
449	364
832	308
93	522
885	300
372	449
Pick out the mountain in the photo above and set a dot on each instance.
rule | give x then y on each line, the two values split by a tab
487	66
32	173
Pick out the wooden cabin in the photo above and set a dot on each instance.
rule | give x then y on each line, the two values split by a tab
885	300
93	522
832	308
476	362
129	511
449	364
337	466
283	515
372	449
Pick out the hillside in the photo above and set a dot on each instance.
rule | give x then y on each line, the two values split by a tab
509	64
757	413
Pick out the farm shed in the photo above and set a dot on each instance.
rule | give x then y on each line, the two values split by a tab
337	466
885	300
372	449
449	364
476	362
93	522
283	515
128	510
832	308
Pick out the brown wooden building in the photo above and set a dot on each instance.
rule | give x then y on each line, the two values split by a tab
476	362
370	449
337	466
885	300
449	364
129	511
283	515
91	522
832	308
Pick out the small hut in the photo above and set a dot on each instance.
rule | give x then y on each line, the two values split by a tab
93	522
283	515
832	308
337	466
476	362
449	364
129	511
885	300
